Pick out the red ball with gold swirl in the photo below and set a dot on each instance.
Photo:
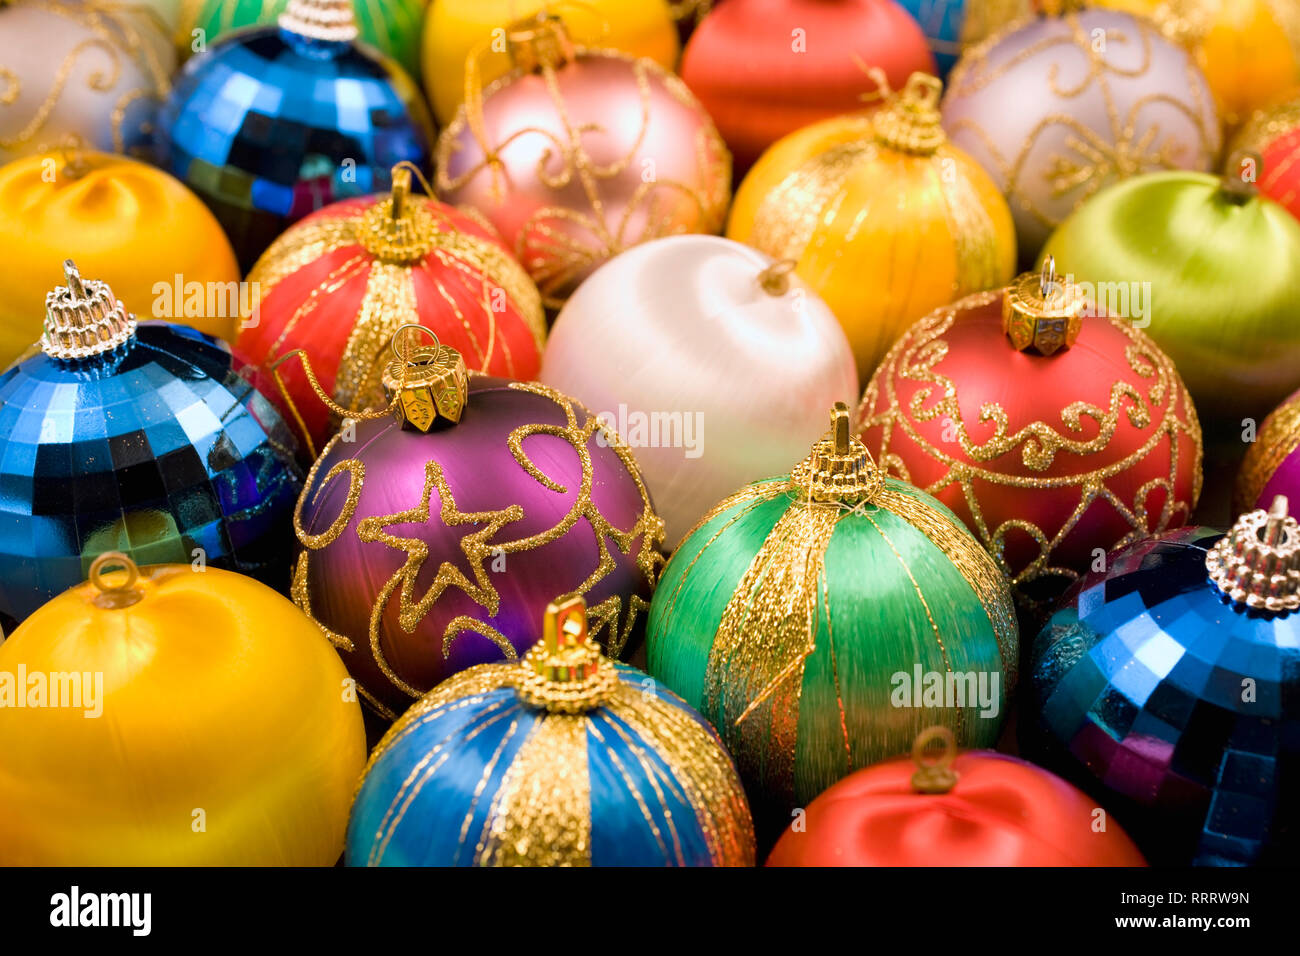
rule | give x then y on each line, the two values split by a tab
1054	432
339	285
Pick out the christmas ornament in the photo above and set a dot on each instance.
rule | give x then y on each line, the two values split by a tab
953	25
821	620
1171	679
563	759
432	541
342	281
1272	465
142	439
1249	50
226	734
457	32
1184	242
1272	134
1053	431
833	195
953	809
276	122
393	26
92	71
718	371
121	220
538	154
765	68
1057	107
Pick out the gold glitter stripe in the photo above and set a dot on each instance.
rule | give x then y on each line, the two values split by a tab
542	812
301	246
389	303
788	216
980	571
753	679
970	225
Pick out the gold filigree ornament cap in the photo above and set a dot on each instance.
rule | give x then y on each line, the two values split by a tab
539	42
840	468
332	21
428	384
1043	312
396	230
910	122
84	319
1257	563
565	673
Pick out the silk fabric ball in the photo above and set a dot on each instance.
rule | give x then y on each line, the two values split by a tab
765	68
1139	684
1001	812
226	736
618	152
425	554
90	71
831	197
456	30
1053	119
1049	460
1272	465
1184	243
700	345
641	780
121	221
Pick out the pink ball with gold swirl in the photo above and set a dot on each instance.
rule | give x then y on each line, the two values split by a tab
575	162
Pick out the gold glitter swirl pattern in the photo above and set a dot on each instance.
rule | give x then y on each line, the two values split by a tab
482	544
1160	401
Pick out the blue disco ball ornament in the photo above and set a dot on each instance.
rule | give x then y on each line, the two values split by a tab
141	439
273	123
1172	681
950	26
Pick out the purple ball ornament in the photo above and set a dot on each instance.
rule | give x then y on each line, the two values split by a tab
435	540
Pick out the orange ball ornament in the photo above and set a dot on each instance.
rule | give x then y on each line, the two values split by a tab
884	217
976	808
339	284
132	225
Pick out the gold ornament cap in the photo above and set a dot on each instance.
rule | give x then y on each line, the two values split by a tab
396	230
333	21
840	468
539	42
1257	563
1042	312
84	319
565	673
934	775
430	382
910	121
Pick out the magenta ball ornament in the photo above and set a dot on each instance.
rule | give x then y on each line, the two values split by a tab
434	541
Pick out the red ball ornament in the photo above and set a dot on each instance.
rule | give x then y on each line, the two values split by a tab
764	68
1273	134
340	283
1054	432
976	808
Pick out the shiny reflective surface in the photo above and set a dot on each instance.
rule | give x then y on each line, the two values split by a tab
268	127
154	449
1150	682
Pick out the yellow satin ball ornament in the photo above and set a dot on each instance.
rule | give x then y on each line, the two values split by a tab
123	221
165	716
455	30
1249	50
885	219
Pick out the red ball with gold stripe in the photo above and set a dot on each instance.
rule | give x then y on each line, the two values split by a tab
1055	431
340	283
1273	136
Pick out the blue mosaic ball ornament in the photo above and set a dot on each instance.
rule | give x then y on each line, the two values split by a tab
1173	681
563	759
273	123
141	439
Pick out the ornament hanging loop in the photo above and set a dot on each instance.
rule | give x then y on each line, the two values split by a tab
775	279
429	384
934	774
404	346
565	673
114	596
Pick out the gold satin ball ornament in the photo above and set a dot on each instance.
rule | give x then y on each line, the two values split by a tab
124	221
166	716
886	219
